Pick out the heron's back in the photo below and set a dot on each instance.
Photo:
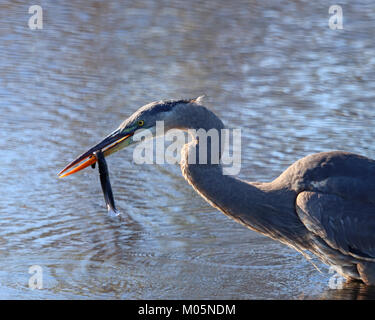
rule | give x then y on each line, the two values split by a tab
345	174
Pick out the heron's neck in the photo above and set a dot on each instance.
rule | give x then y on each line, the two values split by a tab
256	205
195	116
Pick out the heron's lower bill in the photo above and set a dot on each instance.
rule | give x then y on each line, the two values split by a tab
90	161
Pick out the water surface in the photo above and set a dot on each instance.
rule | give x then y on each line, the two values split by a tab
273	68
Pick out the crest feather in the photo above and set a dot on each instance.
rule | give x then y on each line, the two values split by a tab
198	99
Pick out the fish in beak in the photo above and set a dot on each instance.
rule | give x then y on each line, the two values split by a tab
116	141
106	184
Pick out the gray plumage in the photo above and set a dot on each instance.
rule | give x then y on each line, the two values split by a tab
323	204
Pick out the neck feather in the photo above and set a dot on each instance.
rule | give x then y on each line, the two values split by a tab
259	206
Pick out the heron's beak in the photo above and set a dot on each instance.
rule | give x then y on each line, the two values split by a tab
112	143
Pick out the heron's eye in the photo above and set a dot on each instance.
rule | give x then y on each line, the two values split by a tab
141	123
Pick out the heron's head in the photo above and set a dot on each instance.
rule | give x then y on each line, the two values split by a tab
170	112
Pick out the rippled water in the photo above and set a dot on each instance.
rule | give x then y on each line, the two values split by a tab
273	68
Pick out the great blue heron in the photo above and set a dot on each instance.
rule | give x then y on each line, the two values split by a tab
322	204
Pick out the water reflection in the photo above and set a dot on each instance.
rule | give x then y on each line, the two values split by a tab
351	290
273	68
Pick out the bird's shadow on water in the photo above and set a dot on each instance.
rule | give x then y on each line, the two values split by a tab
350	290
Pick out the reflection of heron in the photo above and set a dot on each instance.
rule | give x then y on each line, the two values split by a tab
323	203
351	290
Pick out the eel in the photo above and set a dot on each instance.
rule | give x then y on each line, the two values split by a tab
106	184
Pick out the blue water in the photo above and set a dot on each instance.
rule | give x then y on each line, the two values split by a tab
272	68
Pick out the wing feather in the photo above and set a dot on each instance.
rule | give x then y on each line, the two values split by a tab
345	225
